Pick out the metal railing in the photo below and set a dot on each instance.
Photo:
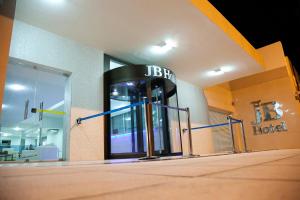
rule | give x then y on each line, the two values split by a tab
230	122
150	151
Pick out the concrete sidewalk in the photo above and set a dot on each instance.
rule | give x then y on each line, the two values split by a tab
260	175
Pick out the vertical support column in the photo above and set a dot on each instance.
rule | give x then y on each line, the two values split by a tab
243	134
231	131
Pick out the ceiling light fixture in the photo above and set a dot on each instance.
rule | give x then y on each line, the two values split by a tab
115	92
227	68
5	134
17	128
55	1
16	87
130	84
215	72
164	47
220	71
4	106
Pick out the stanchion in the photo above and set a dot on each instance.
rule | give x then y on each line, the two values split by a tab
231	131
190	133
243	133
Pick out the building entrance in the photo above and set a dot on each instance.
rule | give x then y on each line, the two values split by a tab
125	131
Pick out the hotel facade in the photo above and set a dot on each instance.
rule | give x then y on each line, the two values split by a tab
63	61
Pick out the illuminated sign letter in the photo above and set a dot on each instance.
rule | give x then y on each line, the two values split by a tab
157	71
149	71
167	73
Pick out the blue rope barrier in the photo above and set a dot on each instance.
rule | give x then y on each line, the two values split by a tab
79	120
215	125
172	107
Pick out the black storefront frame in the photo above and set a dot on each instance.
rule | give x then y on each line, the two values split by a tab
107	119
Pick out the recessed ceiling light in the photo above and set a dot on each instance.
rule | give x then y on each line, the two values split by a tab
4	106
55	1
227	68
215	72
16	87
17	128
164	46
5	134
220	71
115	92
130	84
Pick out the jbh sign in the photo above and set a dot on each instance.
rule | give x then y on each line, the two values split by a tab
265	112
156	71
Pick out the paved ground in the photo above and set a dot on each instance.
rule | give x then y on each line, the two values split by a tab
261	175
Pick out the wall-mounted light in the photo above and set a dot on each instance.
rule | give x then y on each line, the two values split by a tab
164	47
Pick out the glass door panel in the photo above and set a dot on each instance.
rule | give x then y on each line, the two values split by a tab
127	129
33	114
174	126
158	122
50	101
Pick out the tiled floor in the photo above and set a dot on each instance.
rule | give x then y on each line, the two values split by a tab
259	175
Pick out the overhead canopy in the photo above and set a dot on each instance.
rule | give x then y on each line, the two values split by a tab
127	29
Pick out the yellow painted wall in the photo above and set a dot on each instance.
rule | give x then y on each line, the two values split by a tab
219	97
279	90
273	55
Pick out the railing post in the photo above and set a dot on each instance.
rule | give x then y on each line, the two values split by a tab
231	131
243	133
189	132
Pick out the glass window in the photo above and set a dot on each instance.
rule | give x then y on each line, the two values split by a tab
114	64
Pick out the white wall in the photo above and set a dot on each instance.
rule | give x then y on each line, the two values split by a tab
193	97
38	46
86	64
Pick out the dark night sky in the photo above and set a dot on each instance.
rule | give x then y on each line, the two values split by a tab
264	22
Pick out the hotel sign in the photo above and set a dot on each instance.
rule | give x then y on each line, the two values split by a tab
268	112
157	71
